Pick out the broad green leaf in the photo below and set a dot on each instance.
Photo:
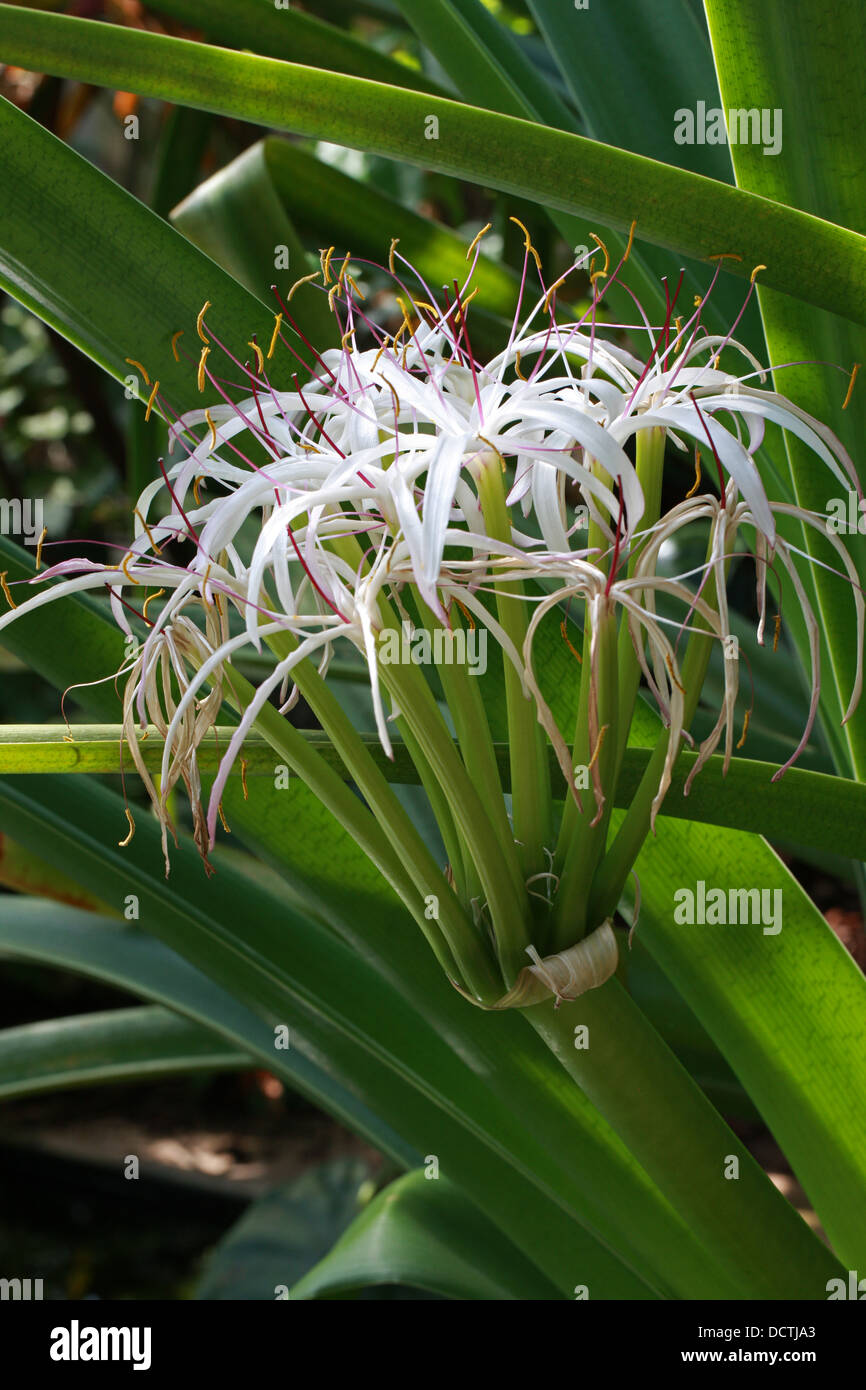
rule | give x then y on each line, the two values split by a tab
363	218
424	1233
286	32
663	64
236	218
808	808
768	57
108	273
806	257
396	1061
117	1045
24	872
788	1010
118	953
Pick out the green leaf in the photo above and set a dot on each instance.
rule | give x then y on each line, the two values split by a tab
117	1045
283	1233
287	32
105	271
788	1011
423	1232
814	260
236	218
769	57
807	808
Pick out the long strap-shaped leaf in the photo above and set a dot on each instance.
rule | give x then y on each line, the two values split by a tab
804	256
808	808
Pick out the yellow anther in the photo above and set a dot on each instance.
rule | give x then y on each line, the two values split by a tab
276	333
202	360
630	240
670	665
693	489
851	385
150	400
460	316
344	341
213	434
332	292
517	366
751	282
394	243
745	728
355	289
244	778
39	545
563	628
123	843
475	241
150	599
527	241
598	742
385	345
260	356
5	587
698	301
325	259
199	321
304	280
552	291
123	564
157	548
223	819
724	256
174	338
778	623
465	611
132	362
196	483
341	278
598	241
678	324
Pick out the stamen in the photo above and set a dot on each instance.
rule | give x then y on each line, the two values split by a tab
304	280
202	360
213	434
195	487
325	259
528	242
174	338
778	625
123	843
693	489
276	333
123	564
394	243
563	628
670	665
39	545
754	273
748	716
474	243
244	778
598	241
517	366
223	819
851	385
150	599
724	256
260	357
630	240
598	742
132	362
199	323
151	399
5	587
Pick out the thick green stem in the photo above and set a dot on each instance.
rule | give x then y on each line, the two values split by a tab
530	775
711	1180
